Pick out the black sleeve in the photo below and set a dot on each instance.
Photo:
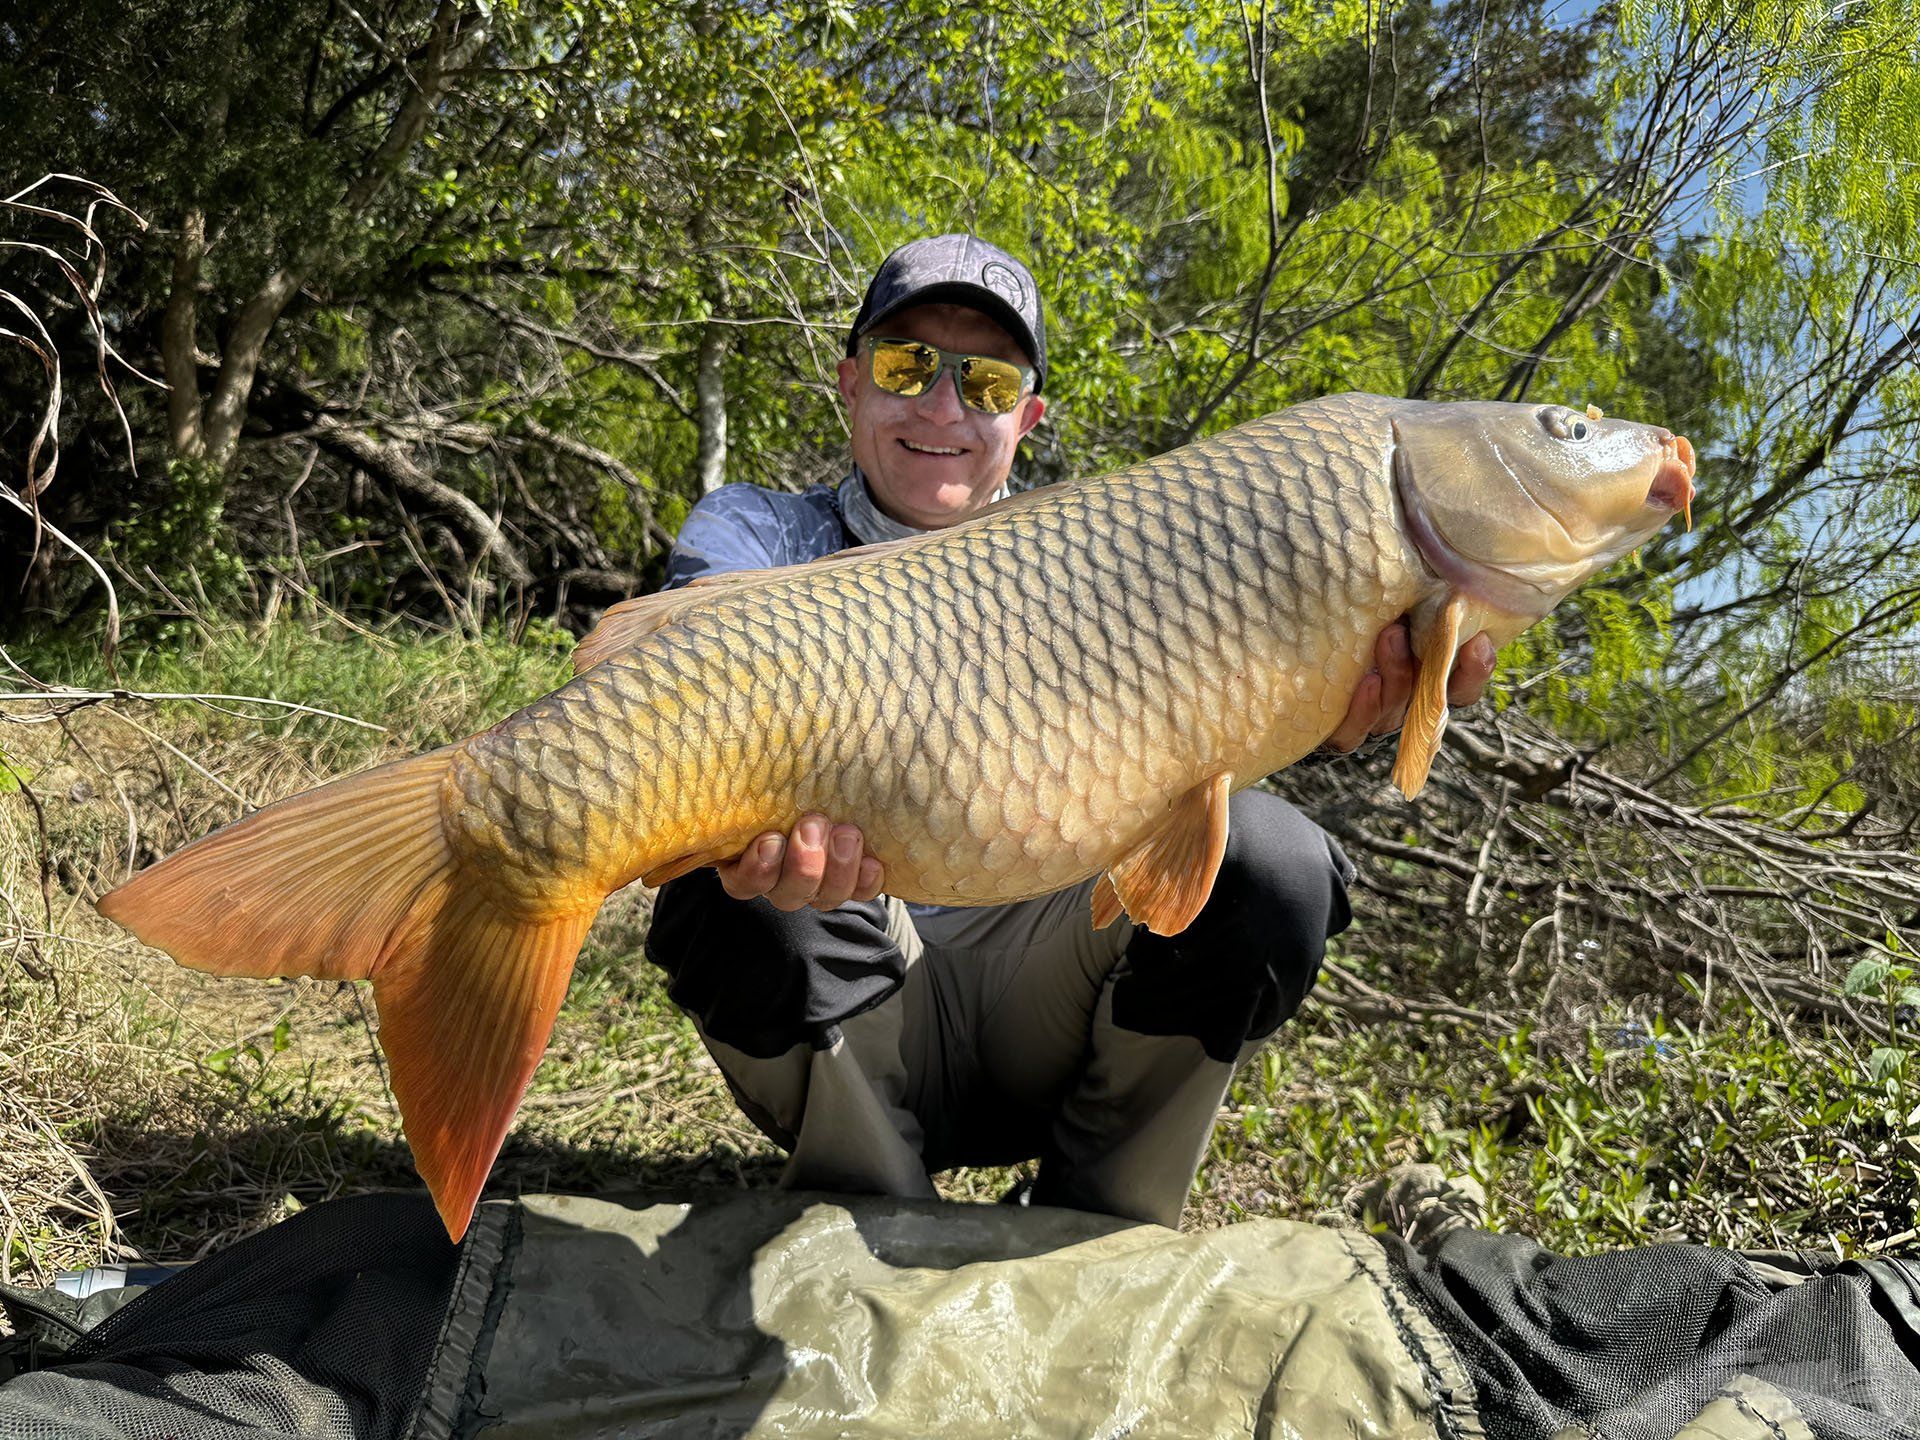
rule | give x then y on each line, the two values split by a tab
763	979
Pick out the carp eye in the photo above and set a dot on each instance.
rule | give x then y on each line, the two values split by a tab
1565	424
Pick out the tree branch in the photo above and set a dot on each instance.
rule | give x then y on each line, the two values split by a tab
392	464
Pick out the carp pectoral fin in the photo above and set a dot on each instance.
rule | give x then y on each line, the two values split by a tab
1106	903
1427	710
464	1018
1165	880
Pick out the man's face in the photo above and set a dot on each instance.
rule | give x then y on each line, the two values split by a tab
929	460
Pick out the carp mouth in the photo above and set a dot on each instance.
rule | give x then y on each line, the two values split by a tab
1672	486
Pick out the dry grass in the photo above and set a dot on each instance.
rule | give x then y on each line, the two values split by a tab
150	1111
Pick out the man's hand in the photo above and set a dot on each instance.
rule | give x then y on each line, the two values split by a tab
818	864
1379	705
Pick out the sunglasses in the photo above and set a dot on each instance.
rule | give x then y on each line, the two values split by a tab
912	367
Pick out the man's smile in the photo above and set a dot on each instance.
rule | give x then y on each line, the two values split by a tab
931	449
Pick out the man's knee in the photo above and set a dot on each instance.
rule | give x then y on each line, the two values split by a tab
762	979
1282	883
1249	958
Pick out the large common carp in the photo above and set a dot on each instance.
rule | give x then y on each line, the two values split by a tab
1069	684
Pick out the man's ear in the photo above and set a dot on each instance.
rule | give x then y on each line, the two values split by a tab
848	373
1036	407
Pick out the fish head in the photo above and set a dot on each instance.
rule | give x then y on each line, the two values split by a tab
1517	504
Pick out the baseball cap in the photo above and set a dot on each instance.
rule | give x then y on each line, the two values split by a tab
958	270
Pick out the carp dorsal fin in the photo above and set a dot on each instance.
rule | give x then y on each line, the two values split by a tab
1163	881
629	622
632	620
1436	638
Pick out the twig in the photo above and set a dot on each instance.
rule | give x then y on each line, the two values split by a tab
67	701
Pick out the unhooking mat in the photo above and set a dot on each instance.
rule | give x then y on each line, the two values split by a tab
771	1313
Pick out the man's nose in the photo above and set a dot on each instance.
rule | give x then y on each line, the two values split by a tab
941	404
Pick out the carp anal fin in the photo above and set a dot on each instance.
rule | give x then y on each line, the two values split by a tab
627	623
1165	880
357	880
1427	710
687	864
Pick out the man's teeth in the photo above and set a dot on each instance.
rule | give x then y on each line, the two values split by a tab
932	449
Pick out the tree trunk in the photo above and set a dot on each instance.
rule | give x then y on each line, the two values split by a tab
177	326
448	49
710	392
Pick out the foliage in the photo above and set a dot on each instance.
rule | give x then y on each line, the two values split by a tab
1630	1130
453	299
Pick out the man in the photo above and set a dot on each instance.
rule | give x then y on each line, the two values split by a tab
877	1041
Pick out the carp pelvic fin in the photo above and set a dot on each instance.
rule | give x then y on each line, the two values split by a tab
1427	710
464	1019
1164	881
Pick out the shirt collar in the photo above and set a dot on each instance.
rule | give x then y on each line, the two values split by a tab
868	522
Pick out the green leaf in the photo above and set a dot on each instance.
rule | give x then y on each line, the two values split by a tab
1886	1062
1868	976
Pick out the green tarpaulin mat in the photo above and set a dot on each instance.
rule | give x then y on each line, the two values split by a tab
773	1313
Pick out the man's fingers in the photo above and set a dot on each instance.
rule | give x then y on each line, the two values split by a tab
805	865
872	879
1393	654
1362	710
1472	668
752	872
842	875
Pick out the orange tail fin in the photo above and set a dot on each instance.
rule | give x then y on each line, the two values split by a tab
356	881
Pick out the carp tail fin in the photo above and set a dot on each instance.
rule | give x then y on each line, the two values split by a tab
317	884
465	1013
357	880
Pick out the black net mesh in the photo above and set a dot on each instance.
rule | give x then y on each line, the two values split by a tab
1634	1344
321	1328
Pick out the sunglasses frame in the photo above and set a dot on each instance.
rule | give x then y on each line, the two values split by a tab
949	361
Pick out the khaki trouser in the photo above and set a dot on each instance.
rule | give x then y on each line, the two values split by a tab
1006	1004
879	1044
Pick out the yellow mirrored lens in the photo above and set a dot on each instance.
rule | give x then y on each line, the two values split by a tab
904	369
990	385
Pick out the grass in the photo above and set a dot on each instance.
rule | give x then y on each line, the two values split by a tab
147	1110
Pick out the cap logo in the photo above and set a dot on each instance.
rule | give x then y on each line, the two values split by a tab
1007	285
